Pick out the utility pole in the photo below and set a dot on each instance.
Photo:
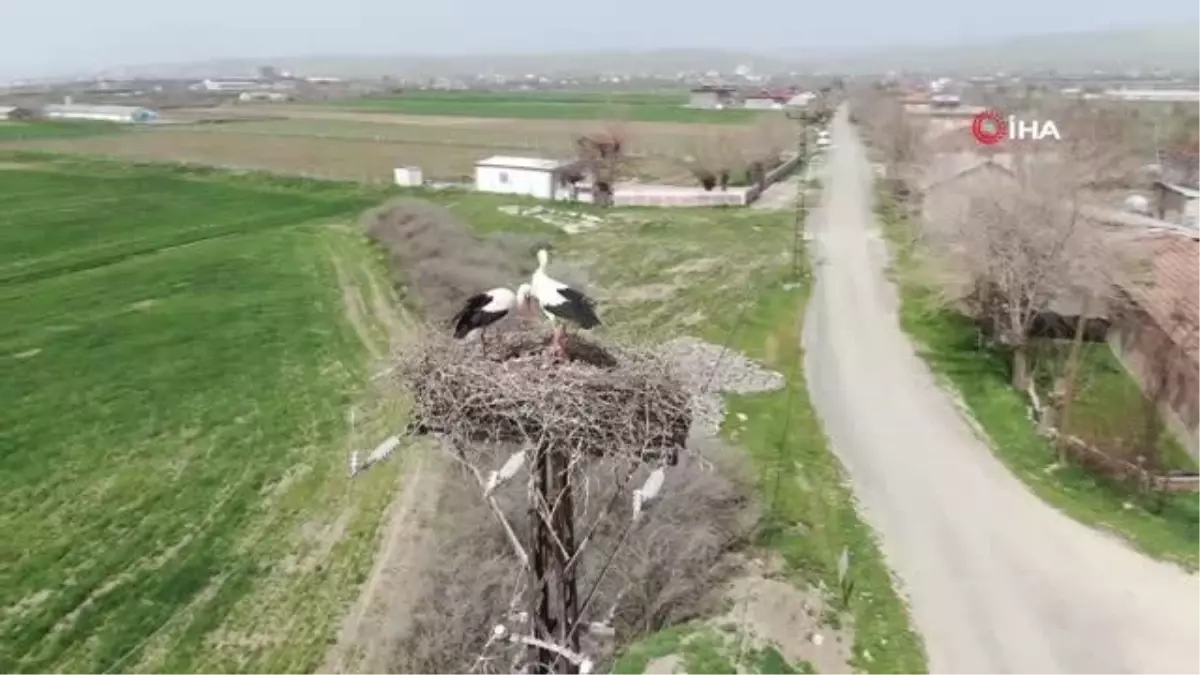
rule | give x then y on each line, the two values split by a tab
554	597
801	192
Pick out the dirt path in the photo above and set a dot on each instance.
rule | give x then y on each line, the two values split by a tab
357	312
999	581
380	616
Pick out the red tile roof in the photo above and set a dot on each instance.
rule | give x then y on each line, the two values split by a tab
1168	287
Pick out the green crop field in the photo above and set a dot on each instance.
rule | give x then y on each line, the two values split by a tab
550	105
28	131
175	368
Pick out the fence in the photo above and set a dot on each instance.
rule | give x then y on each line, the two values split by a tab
637	194
774	176
1100	461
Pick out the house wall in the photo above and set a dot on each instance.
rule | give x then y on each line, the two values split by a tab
773	176
503	180
100	117
762	104
1151	358
705	99
1191	214
101	114
1170	204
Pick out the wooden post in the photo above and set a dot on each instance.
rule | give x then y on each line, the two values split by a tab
564	587
554	596
540	660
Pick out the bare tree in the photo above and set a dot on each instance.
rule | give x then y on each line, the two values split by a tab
895	137
768	142
1180	148
1098	149
715	158
1024	249
604	156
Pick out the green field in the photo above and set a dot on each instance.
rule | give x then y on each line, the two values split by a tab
175	367
29	131
550	105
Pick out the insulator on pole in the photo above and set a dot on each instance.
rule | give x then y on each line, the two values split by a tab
653	485
507	471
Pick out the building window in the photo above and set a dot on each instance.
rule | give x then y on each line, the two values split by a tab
504	177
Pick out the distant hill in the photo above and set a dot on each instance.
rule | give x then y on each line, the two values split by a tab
1167	47
1172	47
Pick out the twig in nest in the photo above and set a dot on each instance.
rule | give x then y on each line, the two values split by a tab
606	401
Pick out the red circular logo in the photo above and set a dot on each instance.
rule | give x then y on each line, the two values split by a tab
989	127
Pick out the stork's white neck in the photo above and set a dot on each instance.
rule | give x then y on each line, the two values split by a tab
543	258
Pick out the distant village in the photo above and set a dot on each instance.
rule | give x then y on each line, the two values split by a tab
111	97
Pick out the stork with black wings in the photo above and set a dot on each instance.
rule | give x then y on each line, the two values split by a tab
560	302
485	309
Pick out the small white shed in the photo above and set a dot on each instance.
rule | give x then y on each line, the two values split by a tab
530	176
408	176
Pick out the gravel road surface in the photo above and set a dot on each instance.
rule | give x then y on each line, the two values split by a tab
998	581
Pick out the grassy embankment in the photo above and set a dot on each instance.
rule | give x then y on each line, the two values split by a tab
1109	404
691	271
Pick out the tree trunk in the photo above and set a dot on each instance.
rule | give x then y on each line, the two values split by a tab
1020	367
1070	381
602	194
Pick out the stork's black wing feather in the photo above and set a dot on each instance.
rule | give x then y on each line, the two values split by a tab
578	308
465	321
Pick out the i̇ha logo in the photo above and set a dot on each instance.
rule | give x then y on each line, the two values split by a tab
990	128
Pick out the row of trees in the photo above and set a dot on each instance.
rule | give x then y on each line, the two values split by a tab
726	157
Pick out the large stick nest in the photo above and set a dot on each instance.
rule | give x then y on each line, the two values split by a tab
603	401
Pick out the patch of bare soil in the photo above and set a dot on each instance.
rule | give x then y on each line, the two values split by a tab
647	293
356	310
383	118
695	266
774	613
380	616
665	665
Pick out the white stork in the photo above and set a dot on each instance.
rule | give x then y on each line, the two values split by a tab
561	302
485	309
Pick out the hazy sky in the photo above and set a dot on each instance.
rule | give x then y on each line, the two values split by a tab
41	37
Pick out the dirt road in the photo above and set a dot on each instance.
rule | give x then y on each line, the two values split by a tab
999	581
